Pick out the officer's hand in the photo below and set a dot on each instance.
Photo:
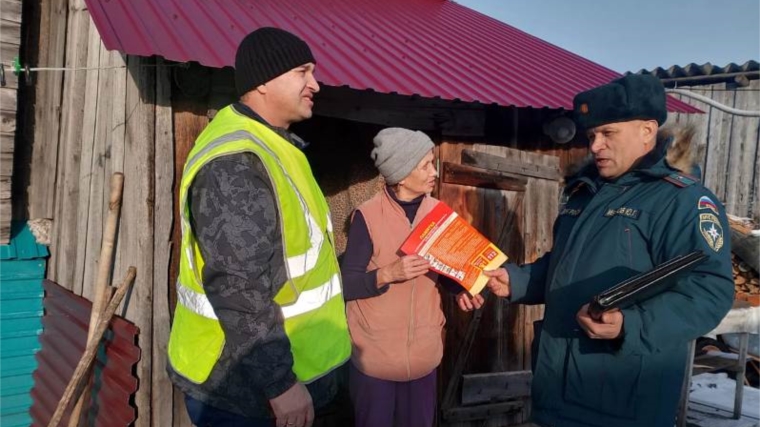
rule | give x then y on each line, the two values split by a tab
405	268
608	327
498	282
469	303
293	408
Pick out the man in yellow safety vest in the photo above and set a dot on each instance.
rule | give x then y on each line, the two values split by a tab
260	328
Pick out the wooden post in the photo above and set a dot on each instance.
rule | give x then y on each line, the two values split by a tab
741	370
102	288
189	120
106	250
683	407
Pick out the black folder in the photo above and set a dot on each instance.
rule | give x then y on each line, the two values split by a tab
644	285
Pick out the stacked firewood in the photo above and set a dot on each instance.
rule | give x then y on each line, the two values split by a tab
745	278
744	259
742	225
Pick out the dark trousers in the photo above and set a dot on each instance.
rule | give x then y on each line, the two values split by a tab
382	403
336	414
203	415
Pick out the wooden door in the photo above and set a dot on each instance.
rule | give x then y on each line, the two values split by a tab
520	221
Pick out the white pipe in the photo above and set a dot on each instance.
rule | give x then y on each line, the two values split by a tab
712	102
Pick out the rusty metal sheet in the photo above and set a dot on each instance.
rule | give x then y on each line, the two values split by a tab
63	342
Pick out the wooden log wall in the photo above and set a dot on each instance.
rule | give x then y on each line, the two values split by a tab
116	117
10	42
728	149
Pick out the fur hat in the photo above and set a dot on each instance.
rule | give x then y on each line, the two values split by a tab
633	97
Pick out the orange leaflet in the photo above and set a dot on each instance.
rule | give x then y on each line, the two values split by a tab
454	248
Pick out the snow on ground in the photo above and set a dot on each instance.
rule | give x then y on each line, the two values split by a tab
717	390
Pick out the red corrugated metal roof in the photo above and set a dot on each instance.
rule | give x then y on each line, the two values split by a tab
431	48
65	323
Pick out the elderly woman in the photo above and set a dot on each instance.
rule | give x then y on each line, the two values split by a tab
393	302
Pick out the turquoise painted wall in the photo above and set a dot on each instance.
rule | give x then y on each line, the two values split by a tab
22	269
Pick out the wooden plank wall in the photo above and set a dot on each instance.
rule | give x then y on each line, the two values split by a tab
116	117
47	112
162	399
728	146
10	43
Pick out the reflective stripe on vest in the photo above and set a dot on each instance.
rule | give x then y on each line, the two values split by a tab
307	301
313	298
195	302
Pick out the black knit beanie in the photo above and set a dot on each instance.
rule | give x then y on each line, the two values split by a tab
265	54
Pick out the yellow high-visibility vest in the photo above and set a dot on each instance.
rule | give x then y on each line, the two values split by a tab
311	300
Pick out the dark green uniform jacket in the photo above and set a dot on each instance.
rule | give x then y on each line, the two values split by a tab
606	232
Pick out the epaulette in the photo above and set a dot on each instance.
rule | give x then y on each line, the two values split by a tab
681	180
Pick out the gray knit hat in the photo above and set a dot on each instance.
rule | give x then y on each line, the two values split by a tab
398	151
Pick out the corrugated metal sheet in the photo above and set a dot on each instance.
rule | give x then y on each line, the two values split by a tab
66	320
707	69
21	274
431	48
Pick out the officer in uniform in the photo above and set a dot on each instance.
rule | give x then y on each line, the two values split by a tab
626	213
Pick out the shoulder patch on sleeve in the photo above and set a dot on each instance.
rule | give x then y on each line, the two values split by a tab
709	224
680	180
711	230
